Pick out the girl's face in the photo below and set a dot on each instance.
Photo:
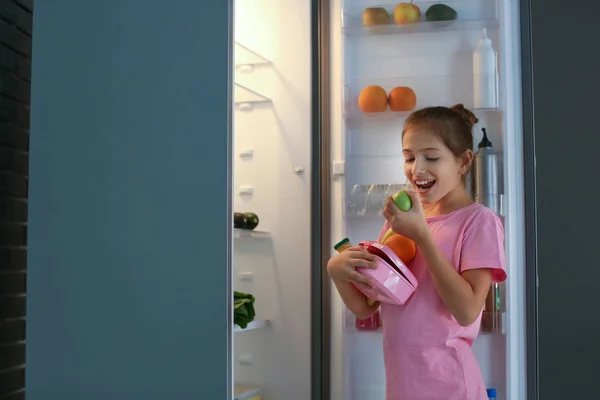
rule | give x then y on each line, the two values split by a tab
432	169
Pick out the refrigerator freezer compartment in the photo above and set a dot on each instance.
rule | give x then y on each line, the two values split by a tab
469	17
244	56
439	90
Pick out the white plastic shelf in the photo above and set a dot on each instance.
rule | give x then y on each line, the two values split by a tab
246	57
428	90
246	233
256	324
468	18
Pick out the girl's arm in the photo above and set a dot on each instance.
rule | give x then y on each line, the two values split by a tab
354	299
464	294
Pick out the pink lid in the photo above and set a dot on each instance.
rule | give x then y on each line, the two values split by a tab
390	257
393	282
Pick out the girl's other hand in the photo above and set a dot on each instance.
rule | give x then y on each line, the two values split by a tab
412	223
342	267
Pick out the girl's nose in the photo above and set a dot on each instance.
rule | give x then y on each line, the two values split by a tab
417	167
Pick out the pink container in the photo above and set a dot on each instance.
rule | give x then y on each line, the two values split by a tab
393	283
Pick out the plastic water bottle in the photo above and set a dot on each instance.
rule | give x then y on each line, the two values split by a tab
491	394
485	74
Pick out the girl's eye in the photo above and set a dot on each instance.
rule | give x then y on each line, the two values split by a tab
409	160
432	159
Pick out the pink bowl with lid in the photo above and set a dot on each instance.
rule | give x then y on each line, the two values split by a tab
393	283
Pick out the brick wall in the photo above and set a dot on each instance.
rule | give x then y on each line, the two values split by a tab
15	77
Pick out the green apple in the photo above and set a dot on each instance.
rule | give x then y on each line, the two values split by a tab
402	200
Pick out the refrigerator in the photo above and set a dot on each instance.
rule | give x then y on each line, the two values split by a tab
315	168
435	60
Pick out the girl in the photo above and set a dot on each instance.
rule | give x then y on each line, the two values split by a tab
427	341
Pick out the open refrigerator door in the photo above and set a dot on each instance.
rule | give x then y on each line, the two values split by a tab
439	55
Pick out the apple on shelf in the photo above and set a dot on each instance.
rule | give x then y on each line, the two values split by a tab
375	16
406	13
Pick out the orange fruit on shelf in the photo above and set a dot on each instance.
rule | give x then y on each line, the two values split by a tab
402	98
403	247
373	99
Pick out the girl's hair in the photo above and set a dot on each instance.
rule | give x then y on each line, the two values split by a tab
454	126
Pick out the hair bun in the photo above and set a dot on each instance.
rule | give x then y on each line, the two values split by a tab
467	115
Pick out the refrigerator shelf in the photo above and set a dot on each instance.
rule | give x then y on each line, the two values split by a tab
246	392
240	233
470	17
367	201
244	57
357	117
256	324
246	98
430	90
421	27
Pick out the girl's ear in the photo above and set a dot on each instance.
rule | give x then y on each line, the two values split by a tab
465	162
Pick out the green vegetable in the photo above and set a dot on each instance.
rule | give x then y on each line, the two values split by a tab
402	200
243	309
440	12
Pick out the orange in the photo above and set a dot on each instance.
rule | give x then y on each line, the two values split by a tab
402	98
373	99
403	247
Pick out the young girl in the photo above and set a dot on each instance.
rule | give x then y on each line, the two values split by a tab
427	341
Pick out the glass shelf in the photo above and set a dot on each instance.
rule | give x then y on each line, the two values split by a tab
469	18
246	392
430	90
388	116
239	233
256	324
367	201
243	56
422	27
248	97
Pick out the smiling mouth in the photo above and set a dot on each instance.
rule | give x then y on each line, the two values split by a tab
423	186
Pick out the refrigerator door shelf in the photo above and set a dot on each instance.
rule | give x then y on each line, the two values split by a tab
246	98
256	324
246	392
245	57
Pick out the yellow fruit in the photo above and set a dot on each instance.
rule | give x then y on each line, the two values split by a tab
406	13
375	16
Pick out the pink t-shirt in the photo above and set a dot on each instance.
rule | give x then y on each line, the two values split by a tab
427	353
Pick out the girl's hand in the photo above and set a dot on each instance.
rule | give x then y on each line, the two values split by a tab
412	223
342	266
